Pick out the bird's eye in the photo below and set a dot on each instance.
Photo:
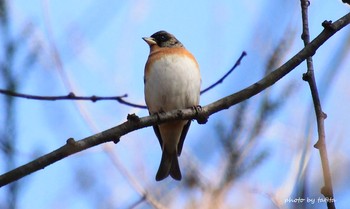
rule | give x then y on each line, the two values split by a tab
162	38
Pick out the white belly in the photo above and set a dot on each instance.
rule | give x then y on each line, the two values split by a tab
173	83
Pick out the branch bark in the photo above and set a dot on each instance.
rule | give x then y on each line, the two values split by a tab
134	123
309	76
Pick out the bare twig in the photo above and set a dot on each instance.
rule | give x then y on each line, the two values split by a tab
71	96
238	62
309	76
134	123
120	99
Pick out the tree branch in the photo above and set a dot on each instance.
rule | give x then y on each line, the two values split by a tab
238	62
134	123
71	96
309	76
120	99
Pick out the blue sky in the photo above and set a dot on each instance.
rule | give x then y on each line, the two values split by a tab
102	53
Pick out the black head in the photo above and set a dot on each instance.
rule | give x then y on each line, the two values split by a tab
163	39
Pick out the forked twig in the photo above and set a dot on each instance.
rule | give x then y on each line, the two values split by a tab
309	76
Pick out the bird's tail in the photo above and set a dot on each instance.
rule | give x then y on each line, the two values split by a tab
169	164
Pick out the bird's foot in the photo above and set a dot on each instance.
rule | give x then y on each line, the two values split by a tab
202	117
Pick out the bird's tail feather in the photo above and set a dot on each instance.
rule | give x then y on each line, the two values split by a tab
169	164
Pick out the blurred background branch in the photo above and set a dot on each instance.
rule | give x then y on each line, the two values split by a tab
14	67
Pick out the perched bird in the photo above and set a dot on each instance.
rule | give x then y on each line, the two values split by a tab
172	81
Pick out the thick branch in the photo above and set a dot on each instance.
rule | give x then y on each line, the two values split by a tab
134	123
309	76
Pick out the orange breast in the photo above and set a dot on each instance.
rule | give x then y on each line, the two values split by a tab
157	53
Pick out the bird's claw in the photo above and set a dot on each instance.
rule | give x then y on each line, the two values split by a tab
202	117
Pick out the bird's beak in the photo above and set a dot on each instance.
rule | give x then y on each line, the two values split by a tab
149	40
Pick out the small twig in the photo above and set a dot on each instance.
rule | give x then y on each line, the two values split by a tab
115	133
120	99
71	96
238	62
309	76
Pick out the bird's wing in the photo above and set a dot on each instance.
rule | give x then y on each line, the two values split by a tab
182	137
156	130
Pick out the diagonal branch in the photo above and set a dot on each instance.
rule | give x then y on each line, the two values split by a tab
238	62
134	123
309	76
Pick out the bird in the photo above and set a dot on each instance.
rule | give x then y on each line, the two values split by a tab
172	81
